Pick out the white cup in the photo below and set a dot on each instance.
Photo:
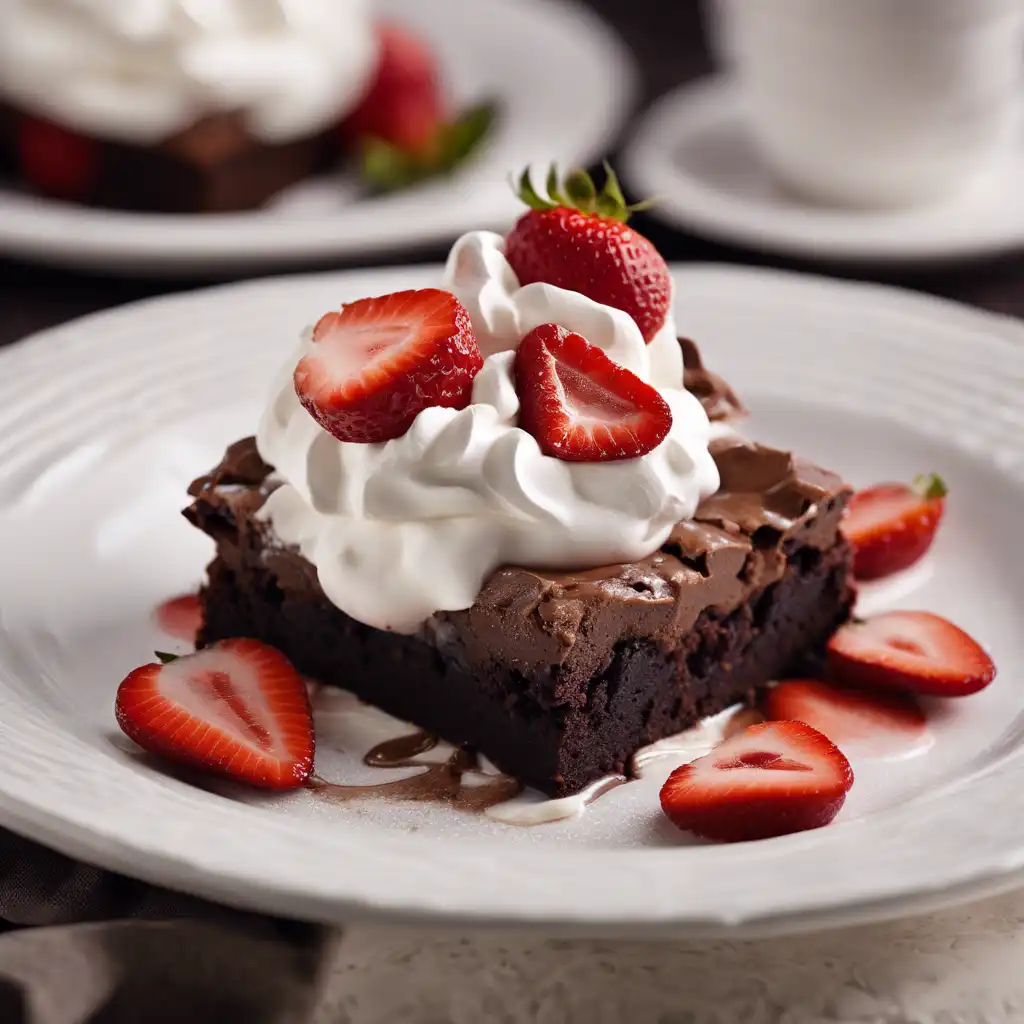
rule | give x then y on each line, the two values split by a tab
876	103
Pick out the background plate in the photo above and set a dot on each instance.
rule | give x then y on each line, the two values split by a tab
565	83
693	151
104	421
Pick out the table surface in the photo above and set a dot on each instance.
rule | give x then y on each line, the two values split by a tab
667	40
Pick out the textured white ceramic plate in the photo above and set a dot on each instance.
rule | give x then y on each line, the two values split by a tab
693	151
103	422
565	83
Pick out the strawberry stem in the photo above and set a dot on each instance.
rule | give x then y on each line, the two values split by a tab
611	202
553	188
529	195
579	187
388	168
578	192
930	486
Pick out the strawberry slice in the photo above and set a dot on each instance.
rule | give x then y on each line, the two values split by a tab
891	526
56	161
181	617
768	780
237	708
378	363
915	651
581	406
875	723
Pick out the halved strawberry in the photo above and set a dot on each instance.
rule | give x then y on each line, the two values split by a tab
876	723
378	363
891	526
914	651
403	104
581	406
55	160
181	617
237	708
768	780
579	240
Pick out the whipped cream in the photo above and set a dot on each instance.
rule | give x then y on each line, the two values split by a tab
141	70
502	312
346	725
412	526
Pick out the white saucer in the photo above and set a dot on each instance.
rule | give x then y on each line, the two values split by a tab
564	81
100	435
693	152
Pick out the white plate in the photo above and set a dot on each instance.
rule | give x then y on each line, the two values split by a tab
104	421
565	83
693	152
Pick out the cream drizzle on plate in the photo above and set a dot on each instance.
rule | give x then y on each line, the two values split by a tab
469	783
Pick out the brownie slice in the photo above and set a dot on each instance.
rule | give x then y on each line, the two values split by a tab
214	166
558	678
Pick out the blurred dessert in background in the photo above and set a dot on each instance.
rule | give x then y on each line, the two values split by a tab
178	106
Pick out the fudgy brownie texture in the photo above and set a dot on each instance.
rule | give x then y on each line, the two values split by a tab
214	166
558	678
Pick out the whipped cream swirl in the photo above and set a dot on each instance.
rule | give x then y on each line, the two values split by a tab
142	70
412	526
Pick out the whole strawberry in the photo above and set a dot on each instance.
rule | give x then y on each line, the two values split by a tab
578	239
404	104
401	127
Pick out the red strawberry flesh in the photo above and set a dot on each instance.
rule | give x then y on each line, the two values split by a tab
238	709
878	724
580	405
768	780
181	617
891	526
55	160
917	652
403	104
378	363
599	257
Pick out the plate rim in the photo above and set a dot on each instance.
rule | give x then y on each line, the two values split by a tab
287	897
686	203
65	235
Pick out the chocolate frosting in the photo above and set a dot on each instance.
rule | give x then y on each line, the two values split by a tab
771	507
738	543
719	400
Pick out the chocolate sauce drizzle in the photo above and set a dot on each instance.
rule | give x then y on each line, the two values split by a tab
439	783
399	752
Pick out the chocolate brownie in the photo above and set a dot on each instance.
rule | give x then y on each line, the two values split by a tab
556	677
214	166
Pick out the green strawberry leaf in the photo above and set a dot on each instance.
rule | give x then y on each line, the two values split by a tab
554	189
463	136
577	191
579	187
388	168
529	195
165	658
611	202
930	486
